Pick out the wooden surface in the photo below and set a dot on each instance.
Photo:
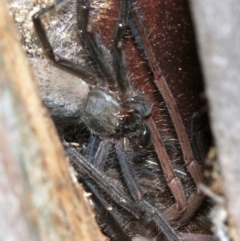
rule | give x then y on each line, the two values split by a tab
39	200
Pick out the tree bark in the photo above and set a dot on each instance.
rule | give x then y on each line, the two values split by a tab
218	36
39	199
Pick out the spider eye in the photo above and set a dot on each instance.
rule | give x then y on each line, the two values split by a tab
144	137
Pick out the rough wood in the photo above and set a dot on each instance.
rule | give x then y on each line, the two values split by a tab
39	200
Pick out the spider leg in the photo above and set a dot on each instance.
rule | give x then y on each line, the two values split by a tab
89	41
118	60
97	152
61	62
101	155
128	173
152	215
92	147
189	158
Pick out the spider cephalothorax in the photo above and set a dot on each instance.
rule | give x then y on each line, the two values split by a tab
120	165
106	116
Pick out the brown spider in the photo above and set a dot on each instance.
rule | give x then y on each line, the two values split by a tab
122	116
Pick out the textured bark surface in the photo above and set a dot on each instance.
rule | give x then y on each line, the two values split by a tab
39	200
218	35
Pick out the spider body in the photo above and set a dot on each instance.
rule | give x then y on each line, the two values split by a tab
120	165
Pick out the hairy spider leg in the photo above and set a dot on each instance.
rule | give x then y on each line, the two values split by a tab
192	165
92	147
102	155
140	210
118	58
77	70
128	173
117	228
